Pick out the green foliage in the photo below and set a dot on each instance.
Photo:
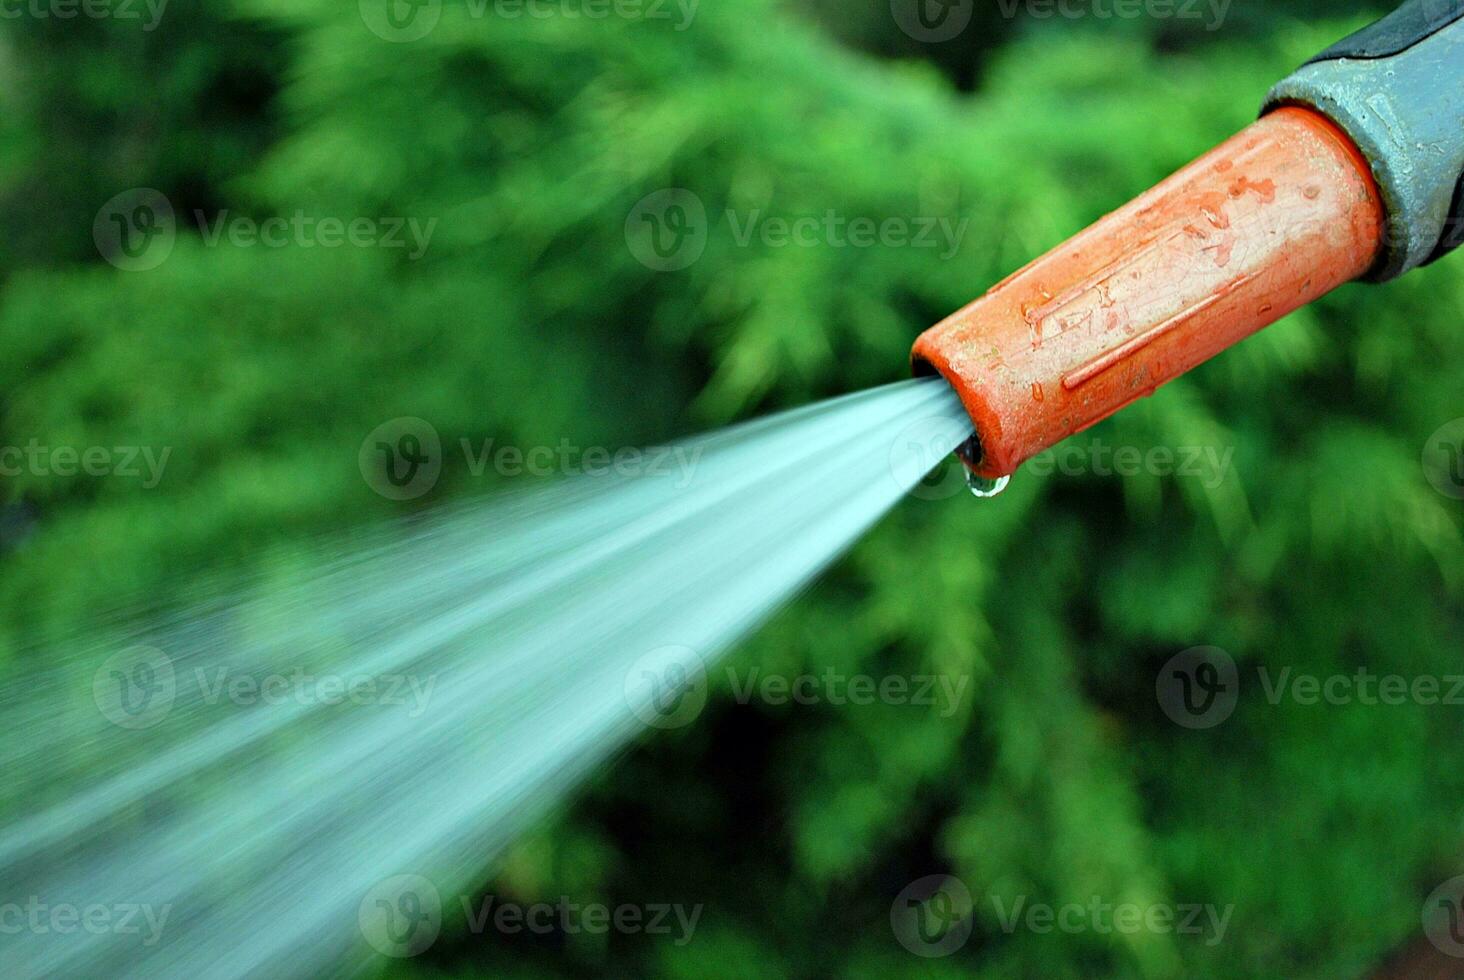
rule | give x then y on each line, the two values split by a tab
528	320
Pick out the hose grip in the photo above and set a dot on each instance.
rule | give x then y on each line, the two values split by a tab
1396	88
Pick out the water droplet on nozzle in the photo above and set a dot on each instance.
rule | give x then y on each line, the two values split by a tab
984	488
969	453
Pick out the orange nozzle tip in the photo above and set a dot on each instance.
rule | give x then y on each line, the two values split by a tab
1276	216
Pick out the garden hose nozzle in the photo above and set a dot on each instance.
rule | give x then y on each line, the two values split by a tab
1353	170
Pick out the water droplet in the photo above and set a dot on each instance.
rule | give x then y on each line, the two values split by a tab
985	488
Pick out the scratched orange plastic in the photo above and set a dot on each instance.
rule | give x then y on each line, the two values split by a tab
1266	222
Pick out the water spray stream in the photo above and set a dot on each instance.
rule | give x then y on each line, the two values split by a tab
277	778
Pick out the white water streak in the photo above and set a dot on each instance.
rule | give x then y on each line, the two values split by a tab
531	636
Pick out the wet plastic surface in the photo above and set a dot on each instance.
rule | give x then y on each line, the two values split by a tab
1268	221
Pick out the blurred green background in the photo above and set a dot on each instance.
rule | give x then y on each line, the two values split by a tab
528	319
